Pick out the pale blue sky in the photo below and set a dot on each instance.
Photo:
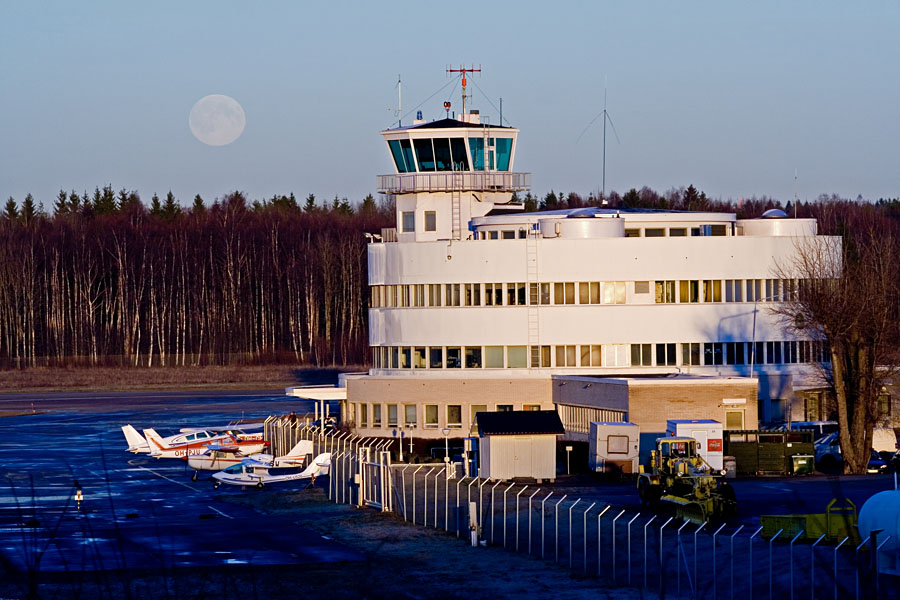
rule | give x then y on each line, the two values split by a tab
731	98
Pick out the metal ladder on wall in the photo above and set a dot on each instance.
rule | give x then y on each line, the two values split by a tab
455	206
531	274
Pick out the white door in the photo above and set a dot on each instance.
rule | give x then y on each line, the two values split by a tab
522	457
701	435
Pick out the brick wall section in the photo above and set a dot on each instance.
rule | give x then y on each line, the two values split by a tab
650	406
465	392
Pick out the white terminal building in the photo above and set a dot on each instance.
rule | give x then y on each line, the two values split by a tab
601	314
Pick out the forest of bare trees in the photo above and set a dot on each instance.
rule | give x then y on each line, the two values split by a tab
105	281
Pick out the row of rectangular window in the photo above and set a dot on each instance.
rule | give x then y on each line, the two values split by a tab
699	231
600	355
583	292
366	415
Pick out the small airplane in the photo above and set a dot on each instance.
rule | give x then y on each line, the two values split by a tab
196	444
259	473
138	444
218	457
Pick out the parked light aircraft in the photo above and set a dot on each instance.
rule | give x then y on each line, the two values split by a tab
138	444
258	473
195	444
218	457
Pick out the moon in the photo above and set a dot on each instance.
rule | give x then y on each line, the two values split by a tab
217	120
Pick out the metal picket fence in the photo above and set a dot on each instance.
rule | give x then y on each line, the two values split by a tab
660	555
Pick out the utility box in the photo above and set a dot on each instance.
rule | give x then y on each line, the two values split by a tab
614	447
708	434
803	464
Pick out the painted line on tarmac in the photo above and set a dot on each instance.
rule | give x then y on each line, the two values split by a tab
167	478
220	512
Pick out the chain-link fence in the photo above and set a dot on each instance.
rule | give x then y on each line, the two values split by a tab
658	554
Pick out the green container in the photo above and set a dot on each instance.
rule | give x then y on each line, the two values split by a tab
802	464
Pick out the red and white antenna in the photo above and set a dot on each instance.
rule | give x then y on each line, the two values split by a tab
464	70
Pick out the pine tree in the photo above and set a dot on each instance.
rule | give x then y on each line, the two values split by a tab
310	205
11	211
105	201
155	206
29	211
171	208
61	206
198	206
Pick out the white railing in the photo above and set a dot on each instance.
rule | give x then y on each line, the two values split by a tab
447	181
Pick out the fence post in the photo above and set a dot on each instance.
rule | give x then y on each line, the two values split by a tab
875	562
771	541
584	536
856	564
736	531
504	514
697	583
425	500
812	567
714	572
570	532
543	545
599	540
835	577
458	483
647	524
628	553
614	545
517	516
751	560
493	510
447	498
416	472
403	487
791	556
678	549
529	519
443	470
556	524
661	565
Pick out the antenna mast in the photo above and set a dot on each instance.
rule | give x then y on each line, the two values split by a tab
603	185
464	70
399	101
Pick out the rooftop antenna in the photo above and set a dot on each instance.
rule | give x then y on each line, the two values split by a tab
399	101
795	192
605	114
464	70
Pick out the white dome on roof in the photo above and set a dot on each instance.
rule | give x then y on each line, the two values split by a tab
774	213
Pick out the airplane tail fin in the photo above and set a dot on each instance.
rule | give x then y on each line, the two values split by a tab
302	448
319	466
136	442
155	441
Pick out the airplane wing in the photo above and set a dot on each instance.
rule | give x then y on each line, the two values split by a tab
220	448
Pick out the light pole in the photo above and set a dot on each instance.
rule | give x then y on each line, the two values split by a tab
446	433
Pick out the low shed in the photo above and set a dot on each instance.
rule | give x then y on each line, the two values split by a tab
518	444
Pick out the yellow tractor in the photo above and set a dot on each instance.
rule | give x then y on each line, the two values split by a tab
681	479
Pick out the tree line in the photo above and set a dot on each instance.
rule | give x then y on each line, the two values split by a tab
105	280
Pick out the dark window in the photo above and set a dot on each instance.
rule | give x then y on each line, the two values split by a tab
460	158
425	154
442	159
399	159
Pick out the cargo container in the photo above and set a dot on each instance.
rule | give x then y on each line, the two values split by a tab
708	434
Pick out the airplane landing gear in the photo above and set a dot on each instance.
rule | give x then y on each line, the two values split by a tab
216	484
194	476
259	485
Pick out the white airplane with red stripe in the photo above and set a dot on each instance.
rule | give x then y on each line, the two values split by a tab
138	444
218	457
194	444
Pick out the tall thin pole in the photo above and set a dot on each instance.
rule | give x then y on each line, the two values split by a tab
399	101
603	188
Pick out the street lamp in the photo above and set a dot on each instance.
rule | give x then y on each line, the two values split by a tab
446	433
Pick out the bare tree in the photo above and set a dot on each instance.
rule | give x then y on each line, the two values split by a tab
849	296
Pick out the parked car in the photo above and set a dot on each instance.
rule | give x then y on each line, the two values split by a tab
829	458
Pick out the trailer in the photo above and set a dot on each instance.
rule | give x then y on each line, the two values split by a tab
708	434
614	447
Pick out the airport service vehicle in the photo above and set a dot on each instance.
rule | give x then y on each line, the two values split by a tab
679	477
194	444
218	457
252	472
138	444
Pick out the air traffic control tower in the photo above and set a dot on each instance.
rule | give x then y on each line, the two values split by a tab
450	171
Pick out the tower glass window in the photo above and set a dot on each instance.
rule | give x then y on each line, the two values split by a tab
442	158
460	157
476	145
408	221
425	154
504	151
